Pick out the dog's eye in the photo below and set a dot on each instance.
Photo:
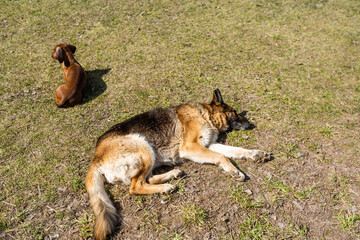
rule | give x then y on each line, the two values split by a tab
231	114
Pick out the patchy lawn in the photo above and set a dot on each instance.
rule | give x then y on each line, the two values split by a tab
292	65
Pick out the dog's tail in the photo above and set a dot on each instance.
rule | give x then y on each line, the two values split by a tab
104	210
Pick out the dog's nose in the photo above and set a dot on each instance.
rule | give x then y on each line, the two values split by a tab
247	126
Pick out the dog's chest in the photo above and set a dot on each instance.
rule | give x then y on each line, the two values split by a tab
208	136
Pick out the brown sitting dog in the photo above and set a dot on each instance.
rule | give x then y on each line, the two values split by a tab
69	94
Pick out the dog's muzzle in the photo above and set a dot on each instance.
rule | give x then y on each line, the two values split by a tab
242	125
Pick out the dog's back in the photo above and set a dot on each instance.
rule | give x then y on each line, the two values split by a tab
158	126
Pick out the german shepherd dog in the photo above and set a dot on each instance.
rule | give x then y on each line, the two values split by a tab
129	151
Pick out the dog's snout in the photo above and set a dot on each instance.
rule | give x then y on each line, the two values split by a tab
248	126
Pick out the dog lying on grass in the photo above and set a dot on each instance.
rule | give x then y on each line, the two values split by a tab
129	151
70	93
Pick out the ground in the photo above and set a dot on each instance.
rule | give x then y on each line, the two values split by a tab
293	66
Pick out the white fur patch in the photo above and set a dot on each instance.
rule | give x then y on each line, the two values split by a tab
127	164
123	169
208	136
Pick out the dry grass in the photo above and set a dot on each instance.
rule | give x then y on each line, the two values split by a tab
293	65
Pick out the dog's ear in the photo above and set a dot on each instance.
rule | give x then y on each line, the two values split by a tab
72	48
217	98
58	54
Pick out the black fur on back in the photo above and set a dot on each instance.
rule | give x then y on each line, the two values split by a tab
158	126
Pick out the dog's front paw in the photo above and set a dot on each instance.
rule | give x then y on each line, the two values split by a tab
240	175
168	188
177	173
260	156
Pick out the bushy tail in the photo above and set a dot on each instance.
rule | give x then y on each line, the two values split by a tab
105	212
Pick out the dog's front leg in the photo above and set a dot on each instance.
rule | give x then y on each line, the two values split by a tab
237	152
197	153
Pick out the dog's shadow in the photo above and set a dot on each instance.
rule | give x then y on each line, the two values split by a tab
120	219
95	85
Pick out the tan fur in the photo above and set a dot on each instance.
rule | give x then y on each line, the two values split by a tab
161	178
129	152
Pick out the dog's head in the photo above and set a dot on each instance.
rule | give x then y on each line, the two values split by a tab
60	49
225	117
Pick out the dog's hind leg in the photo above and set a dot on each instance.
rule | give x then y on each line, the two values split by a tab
161	178
75	100
140	186
60	96
138	182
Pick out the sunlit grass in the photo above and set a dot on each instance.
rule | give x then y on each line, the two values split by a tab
292	65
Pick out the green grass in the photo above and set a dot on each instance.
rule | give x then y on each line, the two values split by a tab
349	221
85	230
292	65
244	199
174	236
194	215
256	227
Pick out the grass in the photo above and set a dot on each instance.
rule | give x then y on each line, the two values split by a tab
244	199
292	65
349	221
254	228
174	236
193	215
85	230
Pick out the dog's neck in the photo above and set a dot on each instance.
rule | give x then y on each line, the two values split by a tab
216	120
68	58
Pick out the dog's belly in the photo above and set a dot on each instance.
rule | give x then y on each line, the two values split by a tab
121	170
123	157
168	155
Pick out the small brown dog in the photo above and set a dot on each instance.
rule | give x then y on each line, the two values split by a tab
69	94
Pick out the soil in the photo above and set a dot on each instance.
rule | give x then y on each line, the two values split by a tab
286	198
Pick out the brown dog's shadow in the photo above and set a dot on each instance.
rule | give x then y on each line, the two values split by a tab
95	85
